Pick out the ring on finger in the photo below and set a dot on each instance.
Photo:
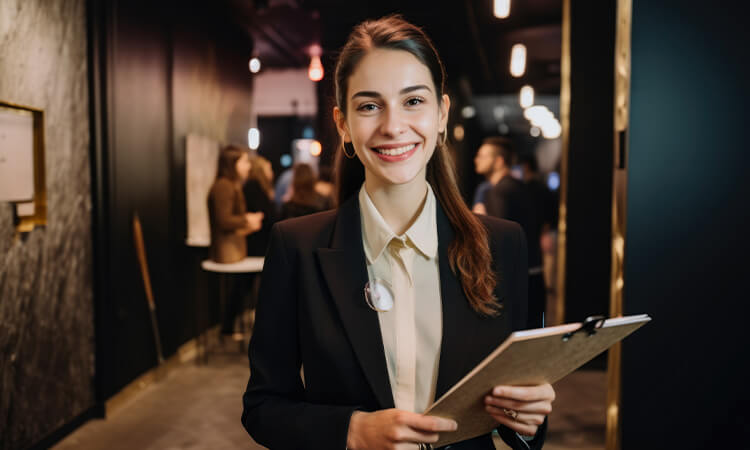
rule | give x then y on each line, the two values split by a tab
511	413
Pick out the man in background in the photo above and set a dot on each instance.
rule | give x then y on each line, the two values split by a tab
509	198
490	162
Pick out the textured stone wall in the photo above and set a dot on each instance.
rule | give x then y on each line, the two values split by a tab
46	306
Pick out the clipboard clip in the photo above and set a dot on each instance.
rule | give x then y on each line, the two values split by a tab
590	325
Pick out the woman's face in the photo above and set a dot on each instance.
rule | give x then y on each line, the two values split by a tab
242	166
394	116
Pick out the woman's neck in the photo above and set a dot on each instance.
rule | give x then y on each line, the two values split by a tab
399	204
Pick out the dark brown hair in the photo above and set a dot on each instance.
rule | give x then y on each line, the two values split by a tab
258	166
502	147
469	253
228	157
303	185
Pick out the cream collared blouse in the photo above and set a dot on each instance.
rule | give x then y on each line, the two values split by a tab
413	328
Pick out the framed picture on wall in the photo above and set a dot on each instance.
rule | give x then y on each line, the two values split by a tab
22	177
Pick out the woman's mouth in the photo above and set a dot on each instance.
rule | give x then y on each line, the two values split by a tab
392	154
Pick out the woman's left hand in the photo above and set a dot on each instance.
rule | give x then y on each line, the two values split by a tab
520	408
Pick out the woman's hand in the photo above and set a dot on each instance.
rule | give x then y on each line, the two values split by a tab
254	221
394	429
520	408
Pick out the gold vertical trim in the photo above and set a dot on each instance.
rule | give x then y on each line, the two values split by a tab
619	197
559	316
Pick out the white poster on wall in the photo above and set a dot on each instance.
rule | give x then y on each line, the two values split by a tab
16	155
201	163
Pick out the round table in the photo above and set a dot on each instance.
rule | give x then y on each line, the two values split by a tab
251	264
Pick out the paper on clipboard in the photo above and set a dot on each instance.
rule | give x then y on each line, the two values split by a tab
528	357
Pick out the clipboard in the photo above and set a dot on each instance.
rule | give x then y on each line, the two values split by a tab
529	357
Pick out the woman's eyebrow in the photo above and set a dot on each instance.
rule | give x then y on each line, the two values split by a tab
405	90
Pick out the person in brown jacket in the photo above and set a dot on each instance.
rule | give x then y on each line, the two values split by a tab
231	223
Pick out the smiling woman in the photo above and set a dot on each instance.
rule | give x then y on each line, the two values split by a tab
455	278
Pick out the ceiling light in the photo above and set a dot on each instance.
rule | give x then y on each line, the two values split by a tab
467	112
552	130
458	132
502	9
315	148
253	138
499	112
315	71
518	60
526	97
254	65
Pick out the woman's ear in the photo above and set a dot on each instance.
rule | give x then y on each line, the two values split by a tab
340	120
445	106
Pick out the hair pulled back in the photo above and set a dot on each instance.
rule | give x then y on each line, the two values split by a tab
469	253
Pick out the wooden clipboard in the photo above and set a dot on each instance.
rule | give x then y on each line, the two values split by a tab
526	358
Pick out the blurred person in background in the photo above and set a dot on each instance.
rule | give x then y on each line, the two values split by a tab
231	223
259	194
544	208
509	198
324	185
490	163
303	198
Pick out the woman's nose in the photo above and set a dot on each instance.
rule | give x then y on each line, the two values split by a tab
393	123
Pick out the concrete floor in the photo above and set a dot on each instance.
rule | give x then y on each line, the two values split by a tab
199	407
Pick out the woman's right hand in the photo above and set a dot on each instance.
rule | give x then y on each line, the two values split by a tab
254	221
394	429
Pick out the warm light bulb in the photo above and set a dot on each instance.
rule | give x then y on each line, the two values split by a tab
518	60
315	148
552	130
458	132
526	98
253	138
315	72
254	65
502	9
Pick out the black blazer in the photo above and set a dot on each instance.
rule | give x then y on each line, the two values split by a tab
312	314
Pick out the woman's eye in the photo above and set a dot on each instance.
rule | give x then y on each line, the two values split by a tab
414	101
367	107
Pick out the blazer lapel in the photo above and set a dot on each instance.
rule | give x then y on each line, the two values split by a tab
456	313
345	270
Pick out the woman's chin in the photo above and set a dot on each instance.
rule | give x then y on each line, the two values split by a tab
399	177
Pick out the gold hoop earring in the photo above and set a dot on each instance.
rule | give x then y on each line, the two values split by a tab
350	147
443	138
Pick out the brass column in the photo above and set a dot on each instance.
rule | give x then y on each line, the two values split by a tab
559	317
619	198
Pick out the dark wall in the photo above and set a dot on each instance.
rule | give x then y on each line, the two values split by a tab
139	138
589	195
684	381
165	70
46	306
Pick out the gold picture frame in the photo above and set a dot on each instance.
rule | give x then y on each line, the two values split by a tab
26	223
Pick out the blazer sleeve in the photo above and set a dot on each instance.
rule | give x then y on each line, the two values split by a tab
275	413
222	196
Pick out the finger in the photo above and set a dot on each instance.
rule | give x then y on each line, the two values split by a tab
541	407
519	427
428	423
407	434
526	393
528	419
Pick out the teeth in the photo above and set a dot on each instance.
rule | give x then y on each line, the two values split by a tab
395	151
